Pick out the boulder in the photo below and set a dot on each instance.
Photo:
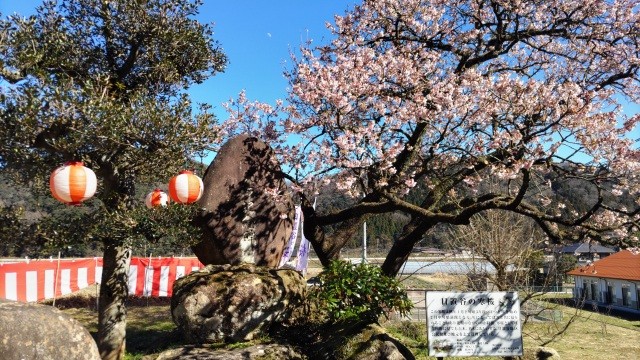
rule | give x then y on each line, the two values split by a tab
32	331
547	353
233	303
248	213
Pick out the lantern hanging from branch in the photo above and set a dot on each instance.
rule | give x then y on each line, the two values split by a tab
156	198
73	183
186	187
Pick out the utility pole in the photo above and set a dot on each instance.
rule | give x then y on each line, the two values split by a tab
364	243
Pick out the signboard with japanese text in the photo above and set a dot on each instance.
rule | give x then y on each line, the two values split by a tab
473	323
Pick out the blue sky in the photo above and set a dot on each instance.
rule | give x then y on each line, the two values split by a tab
257	36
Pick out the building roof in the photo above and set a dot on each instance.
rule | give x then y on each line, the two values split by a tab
585	248
624	265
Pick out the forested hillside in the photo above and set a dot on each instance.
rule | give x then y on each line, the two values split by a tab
33	224
25	215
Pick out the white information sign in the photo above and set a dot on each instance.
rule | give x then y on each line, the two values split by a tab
473	324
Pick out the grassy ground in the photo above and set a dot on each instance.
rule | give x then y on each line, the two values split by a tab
590	335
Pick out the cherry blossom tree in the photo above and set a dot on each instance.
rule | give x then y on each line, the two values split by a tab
446	95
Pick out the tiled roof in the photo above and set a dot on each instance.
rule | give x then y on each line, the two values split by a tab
585	248
622	265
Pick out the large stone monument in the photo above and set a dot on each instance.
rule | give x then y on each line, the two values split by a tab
248	214
247	219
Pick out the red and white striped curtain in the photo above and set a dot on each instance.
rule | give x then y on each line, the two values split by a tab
45	279
155	277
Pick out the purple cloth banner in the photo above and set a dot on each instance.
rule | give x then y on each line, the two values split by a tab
288	251
303	249
303	254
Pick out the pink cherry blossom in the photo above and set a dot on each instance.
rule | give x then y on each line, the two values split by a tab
463	94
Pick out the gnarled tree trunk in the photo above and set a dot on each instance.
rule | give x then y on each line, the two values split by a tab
113	293
329	249
402	247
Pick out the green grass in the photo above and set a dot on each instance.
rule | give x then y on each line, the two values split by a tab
591	335
419	282
150	330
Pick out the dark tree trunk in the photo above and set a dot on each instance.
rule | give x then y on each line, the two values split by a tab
348	224
328	249
118	193
501	277
112	313
401	248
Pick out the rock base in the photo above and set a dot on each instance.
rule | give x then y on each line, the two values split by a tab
234	303
255	352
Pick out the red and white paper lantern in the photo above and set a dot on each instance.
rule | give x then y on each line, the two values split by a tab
156	198
186	187
73	183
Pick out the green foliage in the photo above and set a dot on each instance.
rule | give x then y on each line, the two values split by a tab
408	330
534	260
103	82
12	227
77	230
36	225
67	229
160	230
566	262
362	291
166	228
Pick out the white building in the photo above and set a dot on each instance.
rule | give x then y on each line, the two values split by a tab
613	281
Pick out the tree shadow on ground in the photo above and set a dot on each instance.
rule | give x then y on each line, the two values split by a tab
328	340
150	328
150	341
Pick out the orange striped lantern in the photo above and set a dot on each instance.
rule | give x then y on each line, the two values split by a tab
73	183
156	198
185	188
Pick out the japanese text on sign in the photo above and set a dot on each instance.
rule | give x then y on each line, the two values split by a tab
474	323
